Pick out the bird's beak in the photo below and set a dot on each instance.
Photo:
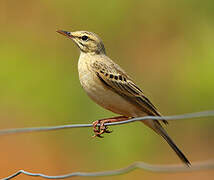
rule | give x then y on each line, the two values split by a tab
65	33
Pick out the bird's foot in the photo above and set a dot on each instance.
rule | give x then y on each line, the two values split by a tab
102	128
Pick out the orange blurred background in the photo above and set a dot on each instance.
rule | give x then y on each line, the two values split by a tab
166	46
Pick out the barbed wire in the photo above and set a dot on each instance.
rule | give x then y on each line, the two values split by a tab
136	165
69	126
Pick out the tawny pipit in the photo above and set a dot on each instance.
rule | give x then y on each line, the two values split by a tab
108	85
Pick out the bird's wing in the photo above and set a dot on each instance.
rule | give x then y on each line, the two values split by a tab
118	81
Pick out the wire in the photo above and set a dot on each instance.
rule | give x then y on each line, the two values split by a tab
206	165
136	165
69	126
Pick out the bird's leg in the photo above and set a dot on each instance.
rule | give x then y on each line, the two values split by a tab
101	129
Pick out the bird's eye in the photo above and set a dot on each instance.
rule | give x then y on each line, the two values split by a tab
84	38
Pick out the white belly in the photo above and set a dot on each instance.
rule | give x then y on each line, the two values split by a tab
102	95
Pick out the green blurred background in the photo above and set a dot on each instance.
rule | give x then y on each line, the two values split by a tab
166	46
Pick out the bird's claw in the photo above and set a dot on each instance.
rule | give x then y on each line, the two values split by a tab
101	129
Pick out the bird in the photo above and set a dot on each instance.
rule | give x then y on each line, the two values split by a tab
107	84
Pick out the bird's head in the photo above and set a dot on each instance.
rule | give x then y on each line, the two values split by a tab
88	42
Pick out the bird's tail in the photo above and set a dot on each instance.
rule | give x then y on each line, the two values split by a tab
160	130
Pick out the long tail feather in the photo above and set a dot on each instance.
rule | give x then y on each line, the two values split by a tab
159	129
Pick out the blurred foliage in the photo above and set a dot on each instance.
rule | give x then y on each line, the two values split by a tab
166	46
